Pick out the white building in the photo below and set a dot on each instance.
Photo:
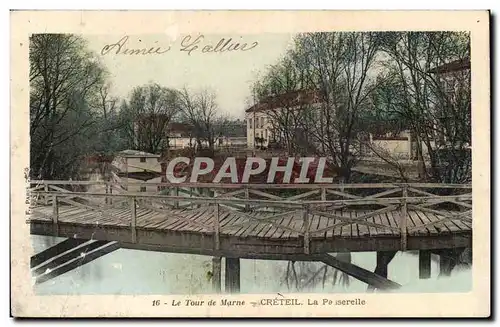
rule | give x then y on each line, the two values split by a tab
260	116
137	167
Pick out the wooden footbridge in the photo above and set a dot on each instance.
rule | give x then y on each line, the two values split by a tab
265	221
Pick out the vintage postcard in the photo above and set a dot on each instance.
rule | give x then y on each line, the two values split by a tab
250	164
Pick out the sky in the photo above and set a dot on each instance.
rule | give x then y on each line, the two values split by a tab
228	73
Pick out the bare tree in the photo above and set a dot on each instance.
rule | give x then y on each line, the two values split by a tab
200	111
107	103
438	115
64	83
148	114
339	66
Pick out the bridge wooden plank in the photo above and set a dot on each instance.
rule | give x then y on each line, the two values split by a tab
267	228
170	222
293	225
377	219
235	218
449	227
299	225
152	220
322	223
84	218
201	222
251	229
362	230
146	219
235	225
412	225
258	229
461	224
449	224
293	222
70	213
346	229
243	229
418	230
245	223
160	219
264	226
372	230
275	228
225	218
330	222
440	227
432	229
289	223
418	221
281	232
123	216
313	223
388	219
337	231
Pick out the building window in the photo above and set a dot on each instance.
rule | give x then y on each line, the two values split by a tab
143	188
262	122
143	159
265	135
250	123
257	123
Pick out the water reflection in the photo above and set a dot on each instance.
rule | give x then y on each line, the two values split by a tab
129	272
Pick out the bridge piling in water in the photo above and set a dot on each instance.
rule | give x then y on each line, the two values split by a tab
424	264
232	280
216	274
383	260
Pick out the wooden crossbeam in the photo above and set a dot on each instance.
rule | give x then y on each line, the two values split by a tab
357	272
230	194
343	194
78	204
265	219
266	195
303	195
348	221
439	200
358	220
443	213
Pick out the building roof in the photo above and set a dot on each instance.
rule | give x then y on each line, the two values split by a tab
137	154
290	99
457	65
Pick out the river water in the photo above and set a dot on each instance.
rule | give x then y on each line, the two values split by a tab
130	272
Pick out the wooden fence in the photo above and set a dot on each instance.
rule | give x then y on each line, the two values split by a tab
267	203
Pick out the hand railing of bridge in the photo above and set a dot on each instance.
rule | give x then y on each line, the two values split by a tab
452	202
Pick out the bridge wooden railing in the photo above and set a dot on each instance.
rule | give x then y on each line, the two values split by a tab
274	205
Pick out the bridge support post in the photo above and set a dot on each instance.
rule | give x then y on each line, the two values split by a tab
46	196
216	276
424	264
447	261
232	281
383	260
133	219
